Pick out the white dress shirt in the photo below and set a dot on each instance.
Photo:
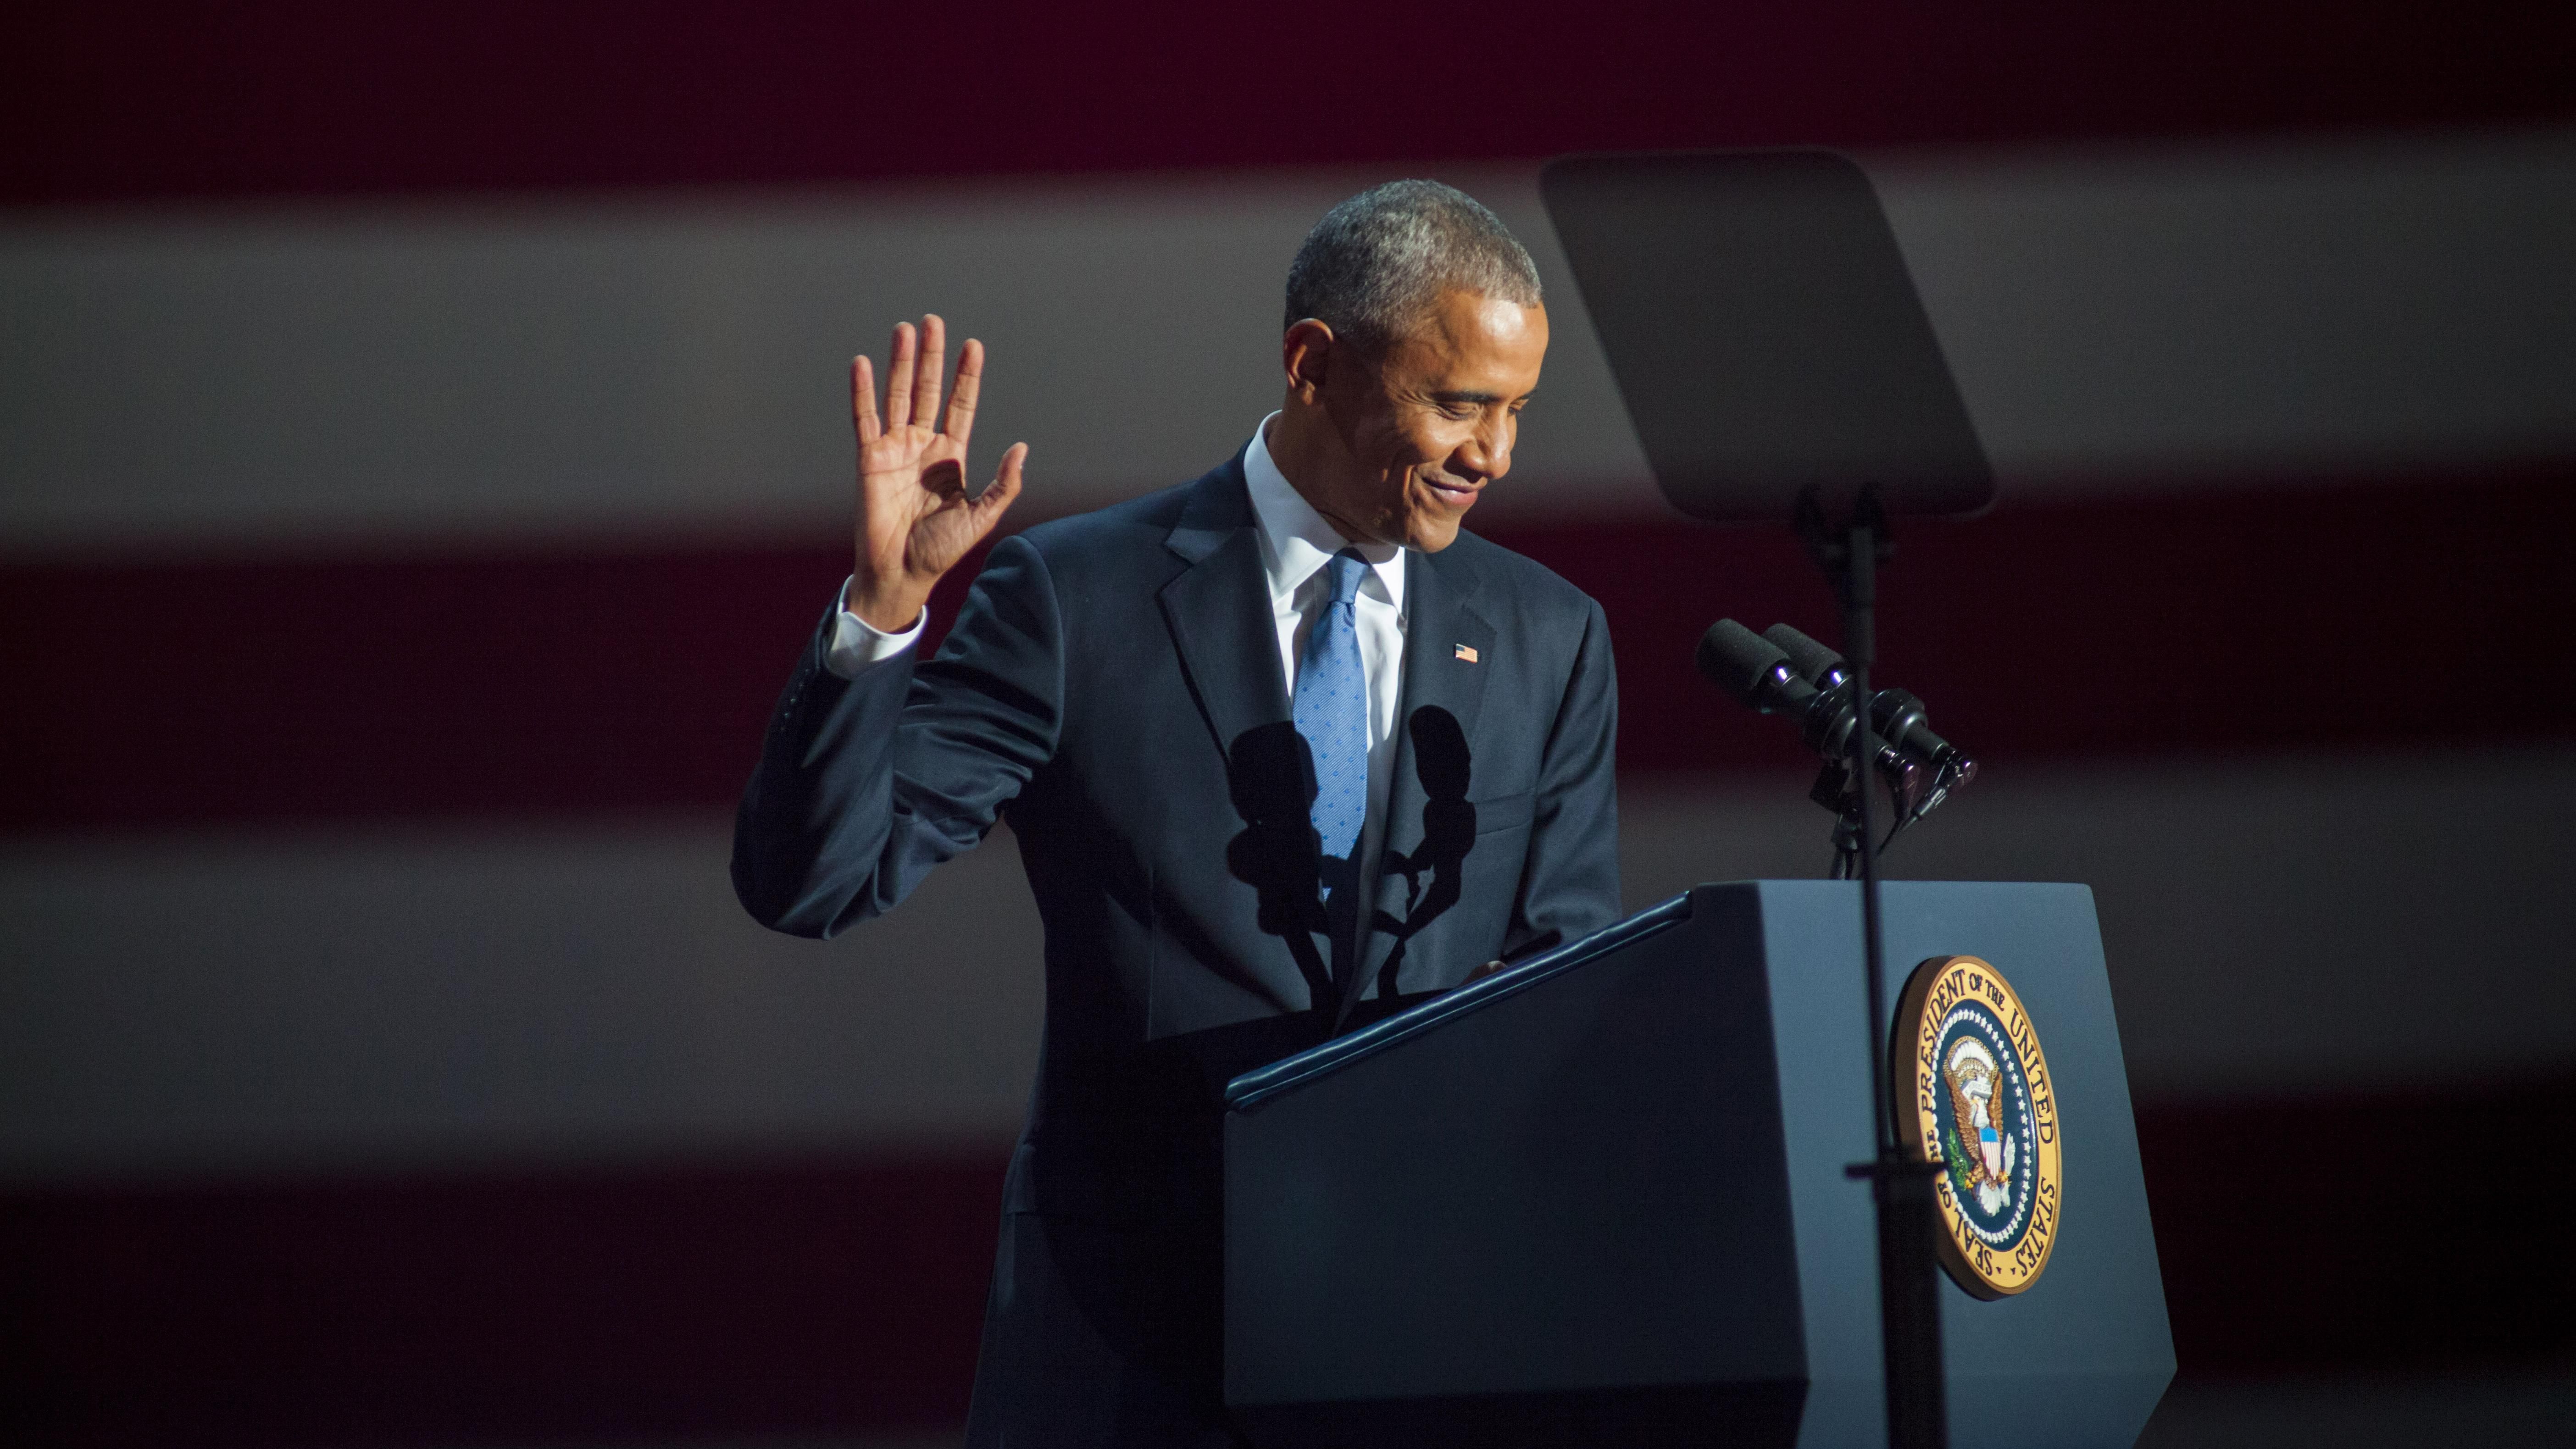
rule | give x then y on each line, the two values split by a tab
1296	543
857	644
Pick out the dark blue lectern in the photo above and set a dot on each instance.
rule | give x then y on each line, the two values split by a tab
1600	1198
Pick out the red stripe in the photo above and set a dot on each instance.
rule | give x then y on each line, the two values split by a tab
2265	620
564	1305
2285	1249
579	684
108	101
846	1298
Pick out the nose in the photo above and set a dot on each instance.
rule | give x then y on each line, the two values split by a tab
1487	453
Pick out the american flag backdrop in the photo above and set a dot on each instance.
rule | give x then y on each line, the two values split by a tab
423	448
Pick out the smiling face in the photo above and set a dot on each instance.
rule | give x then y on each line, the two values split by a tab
1396	449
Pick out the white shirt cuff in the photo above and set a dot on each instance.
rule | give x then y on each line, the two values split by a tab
858	646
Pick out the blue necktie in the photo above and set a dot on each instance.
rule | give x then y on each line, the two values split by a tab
1332	713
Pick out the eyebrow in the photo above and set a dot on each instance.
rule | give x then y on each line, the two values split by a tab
1479	398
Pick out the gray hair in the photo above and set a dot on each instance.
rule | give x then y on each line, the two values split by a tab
1378	261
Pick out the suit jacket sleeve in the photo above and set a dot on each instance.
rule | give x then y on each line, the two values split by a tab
863	785
1571	883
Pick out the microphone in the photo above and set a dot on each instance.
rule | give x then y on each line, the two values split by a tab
1899	717
1814	663
1759	675
1763	677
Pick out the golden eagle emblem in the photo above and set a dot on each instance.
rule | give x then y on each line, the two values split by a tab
1981	1148
1975	1100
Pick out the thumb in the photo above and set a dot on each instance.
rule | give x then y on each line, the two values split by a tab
1005	485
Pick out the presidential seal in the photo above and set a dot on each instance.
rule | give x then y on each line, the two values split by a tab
1975	1099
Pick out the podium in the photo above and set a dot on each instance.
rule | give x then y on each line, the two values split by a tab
1599	1198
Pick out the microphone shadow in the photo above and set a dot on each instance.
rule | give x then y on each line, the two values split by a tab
1271	776
1445	767
1270	773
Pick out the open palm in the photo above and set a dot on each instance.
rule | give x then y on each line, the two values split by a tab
915	517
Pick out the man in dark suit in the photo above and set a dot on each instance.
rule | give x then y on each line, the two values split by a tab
1282	749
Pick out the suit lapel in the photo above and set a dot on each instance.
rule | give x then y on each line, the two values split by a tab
1218	610
1441	620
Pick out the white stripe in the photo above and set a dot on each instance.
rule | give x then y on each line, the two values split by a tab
246	1003
2119	317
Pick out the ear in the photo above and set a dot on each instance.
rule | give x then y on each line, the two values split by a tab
1306	354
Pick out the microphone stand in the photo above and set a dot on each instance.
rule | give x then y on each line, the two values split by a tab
1909	1304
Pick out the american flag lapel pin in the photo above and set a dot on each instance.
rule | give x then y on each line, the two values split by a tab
1467	653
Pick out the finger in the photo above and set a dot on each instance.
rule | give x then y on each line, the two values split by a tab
925	382
961	399
863	401
1005	486
898	409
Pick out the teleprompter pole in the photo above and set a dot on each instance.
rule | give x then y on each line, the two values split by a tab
1909	1304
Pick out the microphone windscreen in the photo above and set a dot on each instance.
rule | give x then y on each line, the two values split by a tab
1737	660
1811	660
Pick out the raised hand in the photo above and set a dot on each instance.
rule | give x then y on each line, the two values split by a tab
915	520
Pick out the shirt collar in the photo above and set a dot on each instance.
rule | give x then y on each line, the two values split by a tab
1296	542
